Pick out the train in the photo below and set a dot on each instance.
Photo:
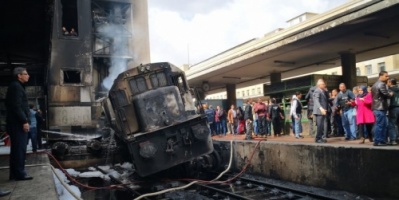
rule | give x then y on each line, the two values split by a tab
152	111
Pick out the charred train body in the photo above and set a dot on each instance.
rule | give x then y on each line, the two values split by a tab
151	110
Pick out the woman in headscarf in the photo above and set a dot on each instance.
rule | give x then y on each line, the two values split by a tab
364	117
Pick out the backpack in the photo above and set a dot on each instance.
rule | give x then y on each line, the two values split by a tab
275	111
210	115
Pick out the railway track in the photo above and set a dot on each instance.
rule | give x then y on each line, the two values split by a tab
251	189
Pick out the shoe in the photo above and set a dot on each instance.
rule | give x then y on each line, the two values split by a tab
296	137
320	141
394	143
4	193
379	144
301	136
361	140
25	178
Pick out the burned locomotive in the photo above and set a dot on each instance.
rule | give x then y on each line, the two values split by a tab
151	109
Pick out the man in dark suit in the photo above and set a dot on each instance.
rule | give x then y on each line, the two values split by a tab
312	120
320	110
18	123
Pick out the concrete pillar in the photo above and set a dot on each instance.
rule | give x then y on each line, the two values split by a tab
140	42
231	95
275	77
348	63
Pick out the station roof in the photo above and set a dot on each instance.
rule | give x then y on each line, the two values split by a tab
366	28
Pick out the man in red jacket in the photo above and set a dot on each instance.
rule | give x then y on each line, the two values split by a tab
261	110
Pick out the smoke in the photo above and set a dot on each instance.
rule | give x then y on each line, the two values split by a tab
114	30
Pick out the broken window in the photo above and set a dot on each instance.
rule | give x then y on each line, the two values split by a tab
69	17
158	80
138	85
120	98
72	76
180	82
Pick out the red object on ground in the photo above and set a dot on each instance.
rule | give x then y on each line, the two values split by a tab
240	128
7	141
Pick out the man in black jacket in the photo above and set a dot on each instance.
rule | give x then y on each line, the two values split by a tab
248	117
276	115
380	95
18	123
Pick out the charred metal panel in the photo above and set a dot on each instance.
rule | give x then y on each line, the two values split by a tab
70	116
159	108
165	148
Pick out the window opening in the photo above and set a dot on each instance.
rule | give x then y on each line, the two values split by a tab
69	17
72	76
381	66
368	70
158	80
120	98
138	85
179	82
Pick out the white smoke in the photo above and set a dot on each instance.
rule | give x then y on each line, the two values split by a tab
115	31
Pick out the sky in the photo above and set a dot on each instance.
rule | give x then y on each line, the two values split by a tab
190	31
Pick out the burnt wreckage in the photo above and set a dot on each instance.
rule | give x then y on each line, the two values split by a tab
76	54
151	109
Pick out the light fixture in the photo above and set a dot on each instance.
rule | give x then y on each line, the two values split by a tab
284	62
141	68
374	34
232	77
205	86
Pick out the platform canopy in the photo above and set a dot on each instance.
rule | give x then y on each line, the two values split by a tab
367	29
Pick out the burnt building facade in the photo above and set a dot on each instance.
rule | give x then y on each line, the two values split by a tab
110	36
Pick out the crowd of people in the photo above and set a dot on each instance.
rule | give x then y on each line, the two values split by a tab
363	113
257	118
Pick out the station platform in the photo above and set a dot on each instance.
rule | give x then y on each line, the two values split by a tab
38	166
307	140
343	165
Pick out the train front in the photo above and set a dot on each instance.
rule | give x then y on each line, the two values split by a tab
151	109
